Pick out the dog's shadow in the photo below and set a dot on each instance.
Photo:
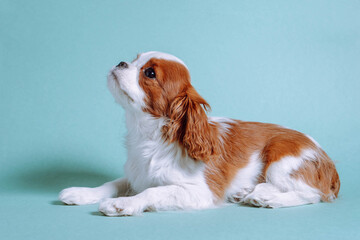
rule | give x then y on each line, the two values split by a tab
56	175
50	175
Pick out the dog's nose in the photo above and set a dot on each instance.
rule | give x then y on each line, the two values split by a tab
122	65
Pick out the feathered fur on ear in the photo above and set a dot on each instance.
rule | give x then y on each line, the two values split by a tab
189	125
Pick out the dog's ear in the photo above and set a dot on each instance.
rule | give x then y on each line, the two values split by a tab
189	125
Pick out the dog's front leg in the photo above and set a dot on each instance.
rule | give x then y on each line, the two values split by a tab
161	198
86	195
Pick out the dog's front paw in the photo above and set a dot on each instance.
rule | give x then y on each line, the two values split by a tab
122	206
80	196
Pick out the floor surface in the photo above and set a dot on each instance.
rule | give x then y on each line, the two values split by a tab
30	210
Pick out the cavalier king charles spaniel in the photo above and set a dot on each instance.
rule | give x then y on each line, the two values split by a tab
180	158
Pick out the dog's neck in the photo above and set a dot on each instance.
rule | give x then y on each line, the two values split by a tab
144	125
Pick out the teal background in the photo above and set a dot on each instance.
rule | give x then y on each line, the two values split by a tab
294	63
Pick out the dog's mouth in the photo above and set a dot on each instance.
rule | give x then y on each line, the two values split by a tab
118	84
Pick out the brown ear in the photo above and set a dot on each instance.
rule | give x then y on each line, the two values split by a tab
189	125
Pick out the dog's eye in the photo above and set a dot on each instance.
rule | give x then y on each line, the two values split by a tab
150	73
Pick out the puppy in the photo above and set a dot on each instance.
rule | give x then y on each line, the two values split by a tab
180	158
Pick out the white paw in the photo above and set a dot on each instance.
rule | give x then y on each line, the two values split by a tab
80	196
122	206
263	196
256	201
240	195
260	201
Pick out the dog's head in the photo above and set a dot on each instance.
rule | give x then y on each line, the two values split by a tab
159	84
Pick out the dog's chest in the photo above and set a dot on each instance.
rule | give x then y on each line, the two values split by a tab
153	162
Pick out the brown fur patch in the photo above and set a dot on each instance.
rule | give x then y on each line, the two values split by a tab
172	79
171	95
189	125
322	175
245	138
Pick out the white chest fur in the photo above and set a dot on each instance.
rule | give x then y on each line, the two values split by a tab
152	161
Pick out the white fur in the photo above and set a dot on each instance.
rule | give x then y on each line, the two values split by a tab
160	176
281	189
223	122
313	140
84	195
245	179
124	86
145	57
